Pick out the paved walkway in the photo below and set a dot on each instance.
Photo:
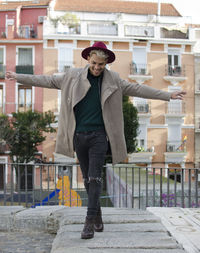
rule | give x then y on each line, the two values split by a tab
56	229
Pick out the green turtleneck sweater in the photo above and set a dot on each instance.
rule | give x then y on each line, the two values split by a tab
88	112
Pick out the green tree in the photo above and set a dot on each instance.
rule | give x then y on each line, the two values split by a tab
23	133
131	124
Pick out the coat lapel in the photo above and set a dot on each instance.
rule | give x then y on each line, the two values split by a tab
108	86
80	87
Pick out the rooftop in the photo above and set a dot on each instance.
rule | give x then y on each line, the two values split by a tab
13	5
116	6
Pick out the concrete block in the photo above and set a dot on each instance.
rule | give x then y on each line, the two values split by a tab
7	216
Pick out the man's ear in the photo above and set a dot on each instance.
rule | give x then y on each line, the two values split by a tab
88	58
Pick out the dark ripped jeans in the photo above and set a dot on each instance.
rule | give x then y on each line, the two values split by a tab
91	148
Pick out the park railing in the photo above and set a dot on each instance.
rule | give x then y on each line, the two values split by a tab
124	185
140	187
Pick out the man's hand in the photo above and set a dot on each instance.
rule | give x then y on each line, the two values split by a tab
178	95
11	75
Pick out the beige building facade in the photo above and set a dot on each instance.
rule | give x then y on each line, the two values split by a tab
150	49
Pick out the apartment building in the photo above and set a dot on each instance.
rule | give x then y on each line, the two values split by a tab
153	46
196	34
21	51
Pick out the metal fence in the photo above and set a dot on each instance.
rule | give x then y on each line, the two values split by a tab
125	185
141	187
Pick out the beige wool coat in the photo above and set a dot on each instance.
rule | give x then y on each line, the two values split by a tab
74	86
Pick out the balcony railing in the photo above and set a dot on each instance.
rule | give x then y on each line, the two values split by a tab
25	31
63	66
102	29
143	107
126	185
140	69
176	146
139	31
25	69
175	108
2	71
175	70
64	29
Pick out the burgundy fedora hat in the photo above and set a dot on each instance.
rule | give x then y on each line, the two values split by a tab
99	46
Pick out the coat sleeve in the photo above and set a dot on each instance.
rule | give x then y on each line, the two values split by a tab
143	91
45	81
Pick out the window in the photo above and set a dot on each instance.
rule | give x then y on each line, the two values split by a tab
25	56
139	60
65	51
25	61
174	62
24	98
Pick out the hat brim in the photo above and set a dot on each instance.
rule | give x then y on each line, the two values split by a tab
111	55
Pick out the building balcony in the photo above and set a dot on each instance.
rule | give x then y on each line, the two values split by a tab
56	27
63	66
143	108
22	32
175	108
26	32
143	154
2	71
175	152
139	31
176	146
140	72
104	28
174	112
173	33
175	74
25	69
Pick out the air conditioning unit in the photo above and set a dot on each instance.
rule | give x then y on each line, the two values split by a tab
40	19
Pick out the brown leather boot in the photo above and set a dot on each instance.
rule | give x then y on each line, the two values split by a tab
88	230
98	222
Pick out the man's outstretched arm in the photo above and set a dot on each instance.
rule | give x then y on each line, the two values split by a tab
45	81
